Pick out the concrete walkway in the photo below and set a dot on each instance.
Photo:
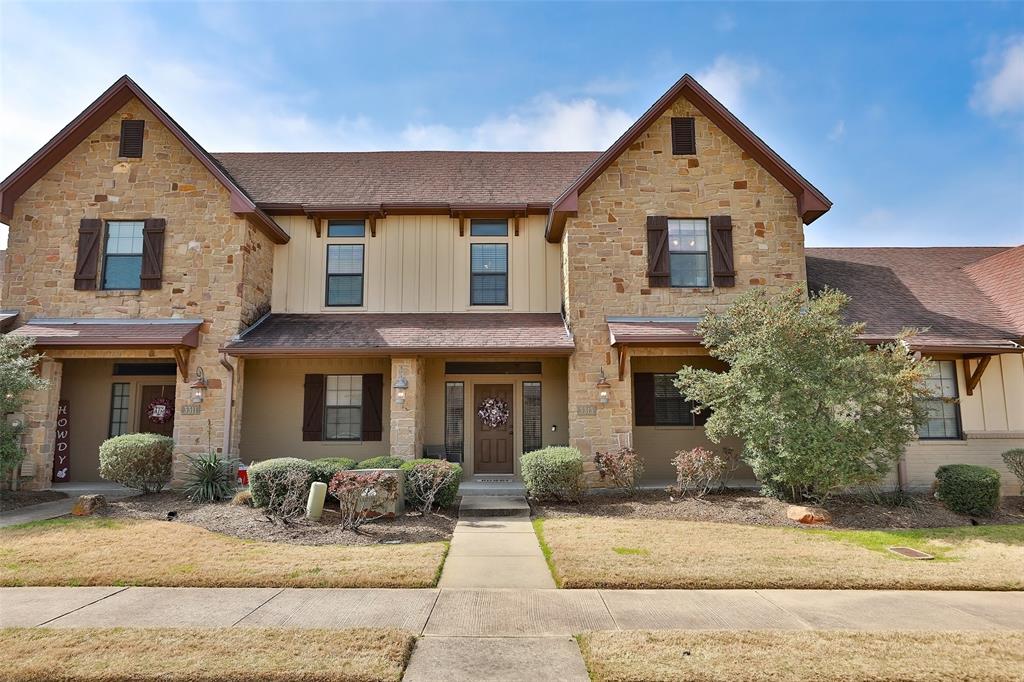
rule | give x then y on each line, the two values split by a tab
495	634
58	508
494	546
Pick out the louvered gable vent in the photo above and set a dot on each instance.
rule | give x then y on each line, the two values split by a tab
132	132
684	138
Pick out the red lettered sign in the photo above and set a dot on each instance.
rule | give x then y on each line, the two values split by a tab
62	444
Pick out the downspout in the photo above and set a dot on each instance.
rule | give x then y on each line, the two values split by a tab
229	402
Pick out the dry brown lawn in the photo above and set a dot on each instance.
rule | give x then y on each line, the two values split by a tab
158	553
191	655
837	656
645	553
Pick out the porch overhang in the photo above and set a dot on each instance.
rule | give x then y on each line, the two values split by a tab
633	332
403	334
177	335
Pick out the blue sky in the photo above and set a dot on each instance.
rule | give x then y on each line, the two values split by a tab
909	116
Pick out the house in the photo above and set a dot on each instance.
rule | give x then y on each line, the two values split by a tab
360	304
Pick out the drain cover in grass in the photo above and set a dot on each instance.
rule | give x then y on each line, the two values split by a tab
910	553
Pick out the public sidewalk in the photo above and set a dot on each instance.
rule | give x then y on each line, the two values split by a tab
503	634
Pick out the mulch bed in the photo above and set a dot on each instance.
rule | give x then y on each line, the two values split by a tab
16	499
749	508
252	524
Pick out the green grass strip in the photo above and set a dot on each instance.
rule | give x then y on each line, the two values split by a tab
538	528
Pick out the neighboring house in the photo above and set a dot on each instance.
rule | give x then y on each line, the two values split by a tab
358	304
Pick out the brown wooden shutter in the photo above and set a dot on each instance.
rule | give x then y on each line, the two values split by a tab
658	274
721	251
643	398
373	406
684	137
87	268
153	253
132	133
313	408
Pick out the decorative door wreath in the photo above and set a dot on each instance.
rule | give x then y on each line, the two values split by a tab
493	412
160	411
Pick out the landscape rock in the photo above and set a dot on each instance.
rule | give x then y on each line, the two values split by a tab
808	515
87	504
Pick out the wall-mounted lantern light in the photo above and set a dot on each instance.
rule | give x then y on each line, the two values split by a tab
199	386
400	385
602	388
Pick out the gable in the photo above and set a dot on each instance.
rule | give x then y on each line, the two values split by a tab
86	123
811	203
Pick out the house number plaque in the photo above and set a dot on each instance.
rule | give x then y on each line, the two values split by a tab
586	411
190	409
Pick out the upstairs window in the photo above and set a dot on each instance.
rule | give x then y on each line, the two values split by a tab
344	274
488	228
684	136
343	415
489	274
943	410
688	253
122	255
346	228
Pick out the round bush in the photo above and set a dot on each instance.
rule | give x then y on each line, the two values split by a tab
385	462
272	478
326	467
553	473
143	461
1014	461
968	489
446	496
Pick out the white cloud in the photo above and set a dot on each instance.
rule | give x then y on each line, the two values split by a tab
1001	92
728	80
838	131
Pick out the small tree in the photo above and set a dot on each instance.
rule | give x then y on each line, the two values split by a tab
817	409
17	377
424	481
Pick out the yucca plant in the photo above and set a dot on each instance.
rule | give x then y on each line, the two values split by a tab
209	479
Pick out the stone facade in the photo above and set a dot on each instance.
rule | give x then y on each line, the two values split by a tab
216	265
605	255
408	419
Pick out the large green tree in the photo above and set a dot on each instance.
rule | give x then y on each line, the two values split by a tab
817	409
17	376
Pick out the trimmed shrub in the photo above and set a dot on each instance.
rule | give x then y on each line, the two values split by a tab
281	485
622	467
697	470
210	478
418	488
968	488
1014	460
326	467
384	462
138	460
553	473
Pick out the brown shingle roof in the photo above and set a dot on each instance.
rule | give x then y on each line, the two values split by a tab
386	333
107	333
653	331
925	288
1001	277
359	178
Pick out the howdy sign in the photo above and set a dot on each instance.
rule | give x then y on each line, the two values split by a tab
61	452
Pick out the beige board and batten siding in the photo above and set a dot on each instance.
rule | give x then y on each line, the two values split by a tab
992	420
272	420
416	263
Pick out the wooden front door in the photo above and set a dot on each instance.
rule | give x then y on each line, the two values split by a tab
148	394
494	448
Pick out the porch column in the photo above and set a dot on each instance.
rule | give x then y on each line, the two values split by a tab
40	412
407	419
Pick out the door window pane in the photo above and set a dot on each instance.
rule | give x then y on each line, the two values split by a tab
454	420
122	263
344	274
532	426
343	418
489	278
118	409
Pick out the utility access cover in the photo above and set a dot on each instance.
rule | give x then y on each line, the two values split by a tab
911	553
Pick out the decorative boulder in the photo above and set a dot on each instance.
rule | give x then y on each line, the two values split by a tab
87	504
808	515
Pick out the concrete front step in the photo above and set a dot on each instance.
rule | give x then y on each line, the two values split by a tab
476	506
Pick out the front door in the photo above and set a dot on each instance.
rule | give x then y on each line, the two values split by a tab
494	446
154	417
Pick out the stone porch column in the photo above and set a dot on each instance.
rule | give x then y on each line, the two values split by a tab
407	419
40	412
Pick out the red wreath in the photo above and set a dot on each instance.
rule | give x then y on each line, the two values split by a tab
157	416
